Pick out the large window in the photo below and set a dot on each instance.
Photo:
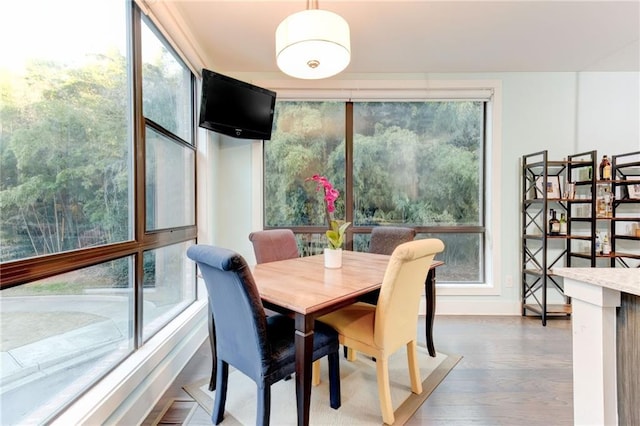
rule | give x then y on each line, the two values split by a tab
97	193
65	136
308	139
61	334
166	86
418	164
168	286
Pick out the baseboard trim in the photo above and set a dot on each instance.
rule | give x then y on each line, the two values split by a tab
477	307
472	305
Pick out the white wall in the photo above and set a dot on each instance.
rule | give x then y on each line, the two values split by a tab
608	112
236	168
564	113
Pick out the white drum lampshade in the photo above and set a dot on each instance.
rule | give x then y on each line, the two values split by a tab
313	44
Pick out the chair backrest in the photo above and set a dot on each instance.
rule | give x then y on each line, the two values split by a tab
384	239
274	244
241	327
396	318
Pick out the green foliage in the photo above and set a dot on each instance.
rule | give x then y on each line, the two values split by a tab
309	141
335	235
417	163
65	151
65	158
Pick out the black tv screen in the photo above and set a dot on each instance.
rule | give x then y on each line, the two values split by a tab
236	108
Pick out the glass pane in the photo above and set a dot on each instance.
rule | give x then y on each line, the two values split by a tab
170	183
307	140
418	163
169	286
60	335
166	86
462	257
361	242
311	244
66	140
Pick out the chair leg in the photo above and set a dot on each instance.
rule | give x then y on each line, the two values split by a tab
212	342
222	377
351	354
334	380
384	390
315	373
263	411
212	380
414	368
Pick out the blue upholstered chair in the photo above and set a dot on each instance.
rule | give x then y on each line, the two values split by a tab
271	245
260	347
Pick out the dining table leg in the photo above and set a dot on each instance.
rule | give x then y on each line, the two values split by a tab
430	296
304	356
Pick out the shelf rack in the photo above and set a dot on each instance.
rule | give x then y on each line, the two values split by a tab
542	252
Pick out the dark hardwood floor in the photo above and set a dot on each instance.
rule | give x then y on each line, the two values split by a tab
514	371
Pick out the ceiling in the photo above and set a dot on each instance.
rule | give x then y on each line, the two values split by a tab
420	36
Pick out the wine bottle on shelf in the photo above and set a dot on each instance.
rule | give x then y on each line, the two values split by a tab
563	224
605	168
601	208
598	249
554	224
606	245
608	202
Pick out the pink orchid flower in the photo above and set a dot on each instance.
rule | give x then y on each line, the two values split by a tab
337	228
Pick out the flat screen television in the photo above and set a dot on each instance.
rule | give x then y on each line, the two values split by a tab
236	108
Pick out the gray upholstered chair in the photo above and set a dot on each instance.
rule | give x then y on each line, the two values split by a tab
260	347
384	239
274	244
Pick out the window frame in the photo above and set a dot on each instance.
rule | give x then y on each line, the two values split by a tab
418	90
18	272
15	273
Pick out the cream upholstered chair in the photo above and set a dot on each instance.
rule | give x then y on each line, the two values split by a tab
384	239
381	330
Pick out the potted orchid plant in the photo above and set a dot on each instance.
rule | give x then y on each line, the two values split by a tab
337	228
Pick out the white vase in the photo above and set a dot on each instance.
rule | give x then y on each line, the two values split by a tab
332	258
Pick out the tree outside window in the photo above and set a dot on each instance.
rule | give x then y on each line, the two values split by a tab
418	164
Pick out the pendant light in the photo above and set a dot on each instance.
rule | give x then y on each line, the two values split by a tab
313	44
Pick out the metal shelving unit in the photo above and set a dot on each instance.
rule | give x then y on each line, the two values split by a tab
581	209
625	243
541	252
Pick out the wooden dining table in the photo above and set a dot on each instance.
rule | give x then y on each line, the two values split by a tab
304	288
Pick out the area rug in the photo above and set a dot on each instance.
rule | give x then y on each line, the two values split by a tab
359	391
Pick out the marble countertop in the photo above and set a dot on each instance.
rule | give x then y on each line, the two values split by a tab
626	280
